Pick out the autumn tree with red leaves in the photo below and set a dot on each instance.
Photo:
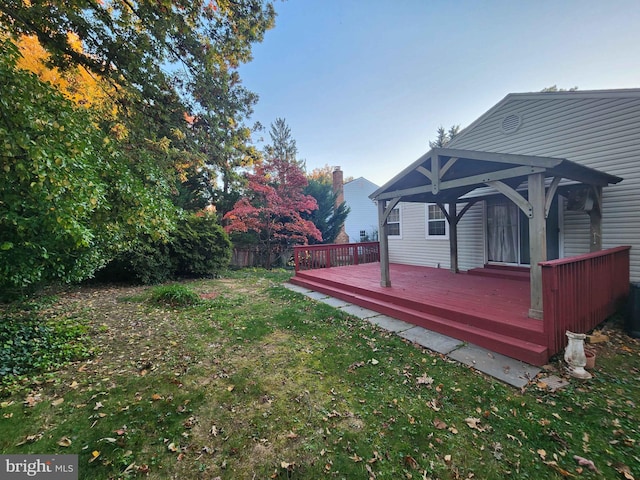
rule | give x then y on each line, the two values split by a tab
272	208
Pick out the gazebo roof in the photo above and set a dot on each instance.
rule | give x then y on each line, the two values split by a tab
458	172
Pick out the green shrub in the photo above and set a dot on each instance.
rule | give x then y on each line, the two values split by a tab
200	247
174	295
147	262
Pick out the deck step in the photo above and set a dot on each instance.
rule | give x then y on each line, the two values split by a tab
465	312
501	271
519	348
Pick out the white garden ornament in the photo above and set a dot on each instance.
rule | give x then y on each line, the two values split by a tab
575	357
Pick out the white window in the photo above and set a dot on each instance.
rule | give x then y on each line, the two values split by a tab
437	225
393	223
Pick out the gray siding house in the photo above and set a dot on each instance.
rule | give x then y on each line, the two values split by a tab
362	221
599	130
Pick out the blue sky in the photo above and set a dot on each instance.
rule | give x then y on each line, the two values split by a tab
365	84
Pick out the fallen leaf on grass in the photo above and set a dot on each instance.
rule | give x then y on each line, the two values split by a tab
410	462
355	365
433	405
32	400
30	439
376	457
98	405
57	402
156	396
64	442
559	439
374	361
424	380
439	424
512	437
559	469
542	453
473	423
624	470
356	458
292	435
370	470
583	462
230	388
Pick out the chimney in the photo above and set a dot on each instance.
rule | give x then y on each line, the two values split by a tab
338	189
338	182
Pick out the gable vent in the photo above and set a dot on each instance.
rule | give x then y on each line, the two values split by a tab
511	123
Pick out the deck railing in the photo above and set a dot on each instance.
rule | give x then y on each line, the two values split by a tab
580	292
309	257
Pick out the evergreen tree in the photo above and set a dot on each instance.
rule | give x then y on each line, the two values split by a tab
328	218
444	136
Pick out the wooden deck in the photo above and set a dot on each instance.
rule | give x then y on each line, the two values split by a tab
488	311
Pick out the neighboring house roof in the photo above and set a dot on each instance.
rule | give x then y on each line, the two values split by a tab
362	181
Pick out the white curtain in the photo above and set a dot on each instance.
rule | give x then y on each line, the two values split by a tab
502	230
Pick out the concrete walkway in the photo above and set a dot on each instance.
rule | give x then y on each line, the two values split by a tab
511	371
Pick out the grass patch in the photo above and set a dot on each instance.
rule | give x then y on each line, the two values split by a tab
257	381
174	295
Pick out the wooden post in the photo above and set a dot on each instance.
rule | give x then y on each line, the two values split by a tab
537	241
385	280
453	236
595	221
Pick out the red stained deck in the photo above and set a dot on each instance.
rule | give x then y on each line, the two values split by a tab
487	311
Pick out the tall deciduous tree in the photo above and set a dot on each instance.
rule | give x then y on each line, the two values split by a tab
156	49
164	58
170	66
68	197
273	208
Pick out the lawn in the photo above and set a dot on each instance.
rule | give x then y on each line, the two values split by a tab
247	379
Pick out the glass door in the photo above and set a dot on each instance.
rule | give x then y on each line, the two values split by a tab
503	239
